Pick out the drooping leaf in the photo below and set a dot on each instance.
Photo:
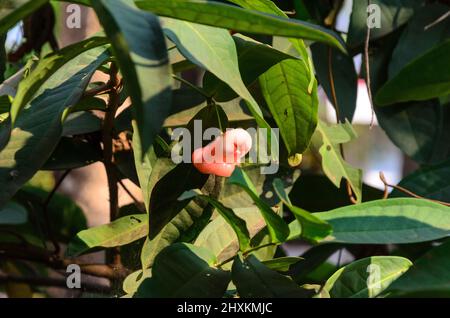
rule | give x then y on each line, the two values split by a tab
45	68
117	233
254	59
345	79
277	228
294	108
396	221
333	165
139	46
428	277
237	224
423	78
28	138
234	18
212	49
417	38
367	277
393	14
254	280
313	228
431	182
218	236
12	11
183	270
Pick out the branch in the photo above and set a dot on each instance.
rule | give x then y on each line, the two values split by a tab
406	191
367	68
53	282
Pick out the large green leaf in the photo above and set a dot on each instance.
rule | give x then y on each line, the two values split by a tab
254	280
172	232
393	14
241	20
294	108
391	221
254	59
344	78
367	277
313	228
29	139
428	277
117	233
214	50
46	68
431	182
282	264
416	39
139	46
425	77
237	224
277	228
333	165
12	11
12	214
185	271
219	236
420	129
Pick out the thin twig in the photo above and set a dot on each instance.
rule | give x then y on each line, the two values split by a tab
367	68
408	192
107	139
48	224
99	90
138	203
438	20
194	87
337	109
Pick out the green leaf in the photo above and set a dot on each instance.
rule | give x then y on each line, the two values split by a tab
312	228
117	233
164	203
334	166
241	20
219	237
367	277
254	280
285	89
416	39
185	271
393	14
424	78
80	123
391	221
428	277
254	59
132	282
13	11
172	232
72	153
277	228
238	225
431	182
45	69
28	139
212	49
139	46
420	129
13	213
344	77
281	264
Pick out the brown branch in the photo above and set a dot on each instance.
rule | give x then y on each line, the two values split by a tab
107	138
53	282
336	107
138	203
408	192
